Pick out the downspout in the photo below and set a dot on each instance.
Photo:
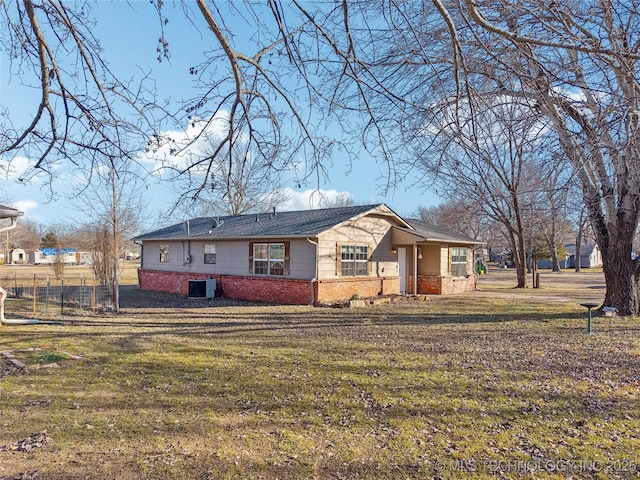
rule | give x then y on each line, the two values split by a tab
20	321
315	278
141	260
11	226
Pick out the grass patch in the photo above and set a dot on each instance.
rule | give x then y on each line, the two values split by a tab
461	386
42	357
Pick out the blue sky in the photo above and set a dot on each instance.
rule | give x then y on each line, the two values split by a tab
129	32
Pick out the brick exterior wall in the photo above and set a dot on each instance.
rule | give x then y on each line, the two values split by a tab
438	285
341	289
270	289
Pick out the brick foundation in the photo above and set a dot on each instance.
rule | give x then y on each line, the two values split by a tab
342	289
269	289
262	289
438	285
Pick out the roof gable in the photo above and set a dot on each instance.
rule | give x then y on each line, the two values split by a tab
301	223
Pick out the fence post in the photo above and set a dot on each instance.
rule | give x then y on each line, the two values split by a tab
34	293
46	297
62	296
80	302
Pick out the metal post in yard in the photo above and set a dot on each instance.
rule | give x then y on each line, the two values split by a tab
589	306
61	296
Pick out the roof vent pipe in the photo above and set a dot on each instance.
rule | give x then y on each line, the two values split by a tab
274	211
257	218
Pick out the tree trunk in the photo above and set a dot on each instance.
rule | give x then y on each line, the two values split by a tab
555	261
578	251
520	258
621	272
622	277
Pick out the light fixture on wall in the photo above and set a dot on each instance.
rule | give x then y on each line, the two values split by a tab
394	250
419	253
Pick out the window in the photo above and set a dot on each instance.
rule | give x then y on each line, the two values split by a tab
354	260
269	259
210	253
164	253
459	262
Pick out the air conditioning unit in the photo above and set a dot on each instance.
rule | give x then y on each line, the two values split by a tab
202	288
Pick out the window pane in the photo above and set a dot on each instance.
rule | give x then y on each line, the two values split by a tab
209	248
210	258
260	267
261	251
277	268
276	251
347	252
361	253
362	268
164	253
459	262
347	269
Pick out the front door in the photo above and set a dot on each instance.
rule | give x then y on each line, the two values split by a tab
402	269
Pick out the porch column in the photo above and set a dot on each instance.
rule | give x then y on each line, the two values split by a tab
415	269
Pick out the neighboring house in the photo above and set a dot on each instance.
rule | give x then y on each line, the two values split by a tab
590	256
308	257
48	256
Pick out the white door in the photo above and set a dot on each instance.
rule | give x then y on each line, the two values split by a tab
402	269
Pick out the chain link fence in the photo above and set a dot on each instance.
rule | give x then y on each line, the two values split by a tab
30	294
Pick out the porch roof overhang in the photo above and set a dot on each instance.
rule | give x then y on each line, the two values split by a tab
419	236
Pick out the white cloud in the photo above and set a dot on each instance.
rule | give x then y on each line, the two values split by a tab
178	148
15	168
25	206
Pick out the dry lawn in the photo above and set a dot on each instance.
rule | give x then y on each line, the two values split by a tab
499	383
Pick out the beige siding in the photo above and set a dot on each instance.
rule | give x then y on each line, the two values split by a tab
232	257
431	262
372	231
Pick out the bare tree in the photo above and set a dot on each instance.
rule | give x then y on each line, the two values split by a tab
578	64
243	185
458	216
342	199
483	154
84	110
114	202
26	235
375	70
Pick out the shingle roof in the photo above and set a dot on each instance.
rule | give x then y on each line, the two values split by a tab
429	232
302	223
585	250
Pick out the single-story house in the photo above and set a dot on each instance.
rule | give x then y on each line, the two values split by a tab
590	256
307	257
